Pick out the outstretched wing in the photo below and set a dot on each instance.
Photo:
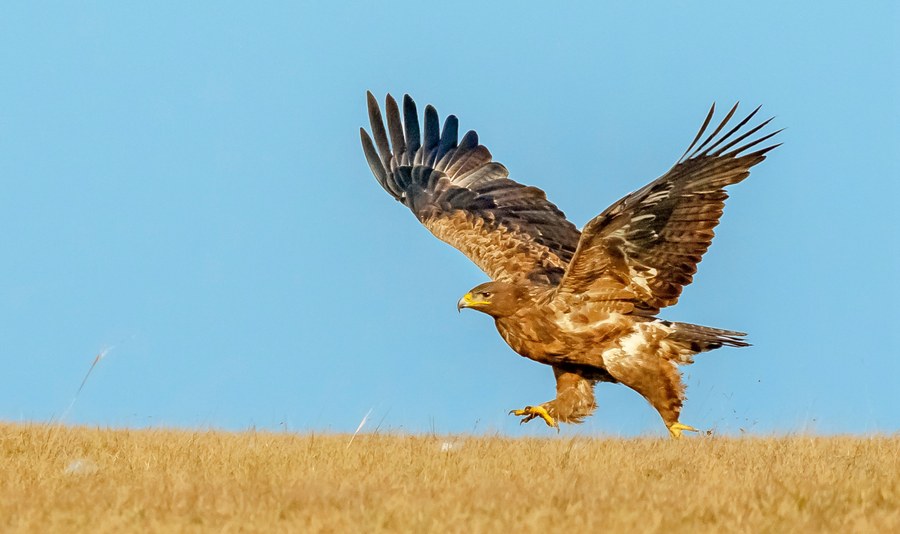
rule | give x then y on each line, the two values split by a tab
509	230
639	253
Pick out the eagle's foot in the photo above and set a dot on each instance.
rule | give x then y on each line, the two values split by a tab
676	428
533	412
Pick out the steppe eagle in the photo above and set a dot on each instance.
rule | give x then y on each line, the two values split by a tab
586	302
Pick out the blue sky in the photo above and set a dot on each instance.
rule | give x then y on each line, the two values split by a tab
185	184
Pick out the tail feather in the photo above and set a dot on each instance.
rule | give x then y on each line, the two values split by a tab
704	338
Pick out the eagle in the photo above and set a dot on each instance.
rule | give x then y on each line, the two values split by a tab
585	303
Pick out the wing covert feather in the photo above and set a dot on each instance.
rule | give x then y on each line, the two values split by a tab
645	248
464	198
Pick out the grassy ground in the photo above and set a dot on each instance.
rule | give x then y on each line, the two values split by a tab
60	479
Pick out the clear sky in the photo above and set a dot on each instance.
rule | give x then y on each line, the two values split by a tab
183	182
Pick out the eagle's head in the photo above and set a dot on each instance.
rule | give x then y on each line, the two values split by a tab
497	299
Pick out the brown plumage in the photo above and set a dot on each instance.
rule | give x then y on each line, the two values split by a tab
582	302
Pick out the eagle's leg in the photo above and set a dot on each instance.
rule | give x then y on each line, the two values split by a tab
574	400
657	380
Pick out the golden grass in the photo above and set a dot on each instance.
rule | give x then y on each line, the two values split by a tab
63	479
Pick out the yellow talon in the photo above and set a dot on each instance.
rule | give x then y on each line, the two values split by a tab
531	412
676	428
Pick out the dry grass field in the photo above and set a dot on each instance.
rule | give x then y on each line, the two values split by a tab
64	479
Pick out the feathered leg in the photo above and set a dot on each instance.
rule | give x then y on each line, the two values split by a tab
657	380
574	400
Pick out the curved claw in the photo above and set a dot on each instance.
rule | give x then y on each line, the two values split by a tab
676	428
532	412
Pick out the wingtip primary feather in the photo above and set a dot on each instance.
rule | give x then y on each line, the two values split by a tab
432	135
395	127
736	128
709	116
411	127
710	146
378	131
374	161
743	148
449	137
715	132
737	151
469	140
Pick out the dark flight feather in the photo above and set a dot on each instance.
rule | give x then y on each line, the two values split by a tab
464	198
651	241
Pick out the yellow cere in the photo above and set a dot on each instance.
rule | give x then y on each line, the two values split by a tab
471	302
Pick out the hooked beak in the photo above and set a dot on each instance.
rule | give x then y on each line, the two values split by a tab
463	302
468	301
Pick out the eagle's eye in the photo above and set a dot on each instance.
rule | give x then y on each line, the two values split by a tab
487	294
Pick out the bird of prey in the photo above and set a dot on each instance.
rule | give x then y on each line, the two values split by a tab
584	303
